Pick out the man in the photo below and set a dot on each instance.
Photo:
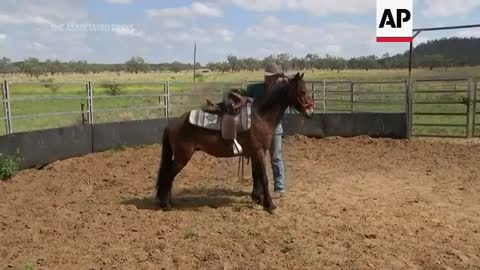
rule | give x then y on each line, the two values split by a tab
272	75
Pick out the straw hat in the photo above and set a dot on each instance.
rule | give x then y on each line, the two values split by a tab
273	69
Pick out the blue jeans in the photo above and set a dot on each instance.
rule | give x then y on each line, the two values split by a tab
276	157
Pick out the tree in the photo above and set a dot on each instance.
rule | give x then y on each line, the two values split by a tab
252	64
312	60
284	61
176	67
4	63
33	67
53	66
212	66
269	60
225	66
233	62
137	64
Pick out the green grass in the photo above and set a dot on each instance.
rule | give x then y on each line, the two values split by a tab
8	166
369	97
191	234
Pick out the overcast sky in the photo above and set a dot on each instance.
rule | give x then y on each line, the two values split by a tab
164	30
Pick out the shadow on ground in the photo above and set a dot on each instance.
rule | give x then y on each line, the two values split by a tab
191	198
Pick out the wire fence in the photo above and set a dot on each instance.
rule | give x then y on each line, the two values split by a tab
443	107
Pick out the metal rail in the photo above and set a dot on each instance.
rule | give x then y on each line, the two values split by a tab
141	108
22	116
334	96
130	96
42	99
450	97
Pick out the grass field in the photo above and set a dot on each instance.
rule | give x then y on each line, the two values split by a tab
66	93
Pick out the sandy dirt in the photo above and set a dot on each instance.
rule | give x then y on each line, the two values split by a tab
355	203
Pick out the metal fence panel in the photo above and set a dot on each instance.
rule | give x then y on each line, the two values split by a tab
350	96
437	107
441	108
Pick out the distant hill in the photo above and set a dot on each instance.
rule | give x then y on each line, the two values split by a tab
460	51
442	53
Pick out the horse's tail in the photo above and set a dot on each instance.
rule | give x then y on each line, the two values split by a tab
166	159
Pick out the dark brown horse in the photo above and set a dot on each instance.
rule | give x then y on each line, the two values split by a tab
181	139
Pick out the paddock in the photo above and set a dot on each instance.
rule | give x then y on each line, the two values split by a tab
351	203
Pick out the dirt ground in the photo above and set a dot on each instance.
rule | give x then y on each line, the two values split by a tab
356	203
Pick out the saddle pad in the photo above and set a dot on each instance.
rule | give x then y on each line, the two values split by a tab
211	121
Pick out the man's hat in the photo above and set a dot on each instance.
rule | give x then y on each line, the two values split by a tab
272	69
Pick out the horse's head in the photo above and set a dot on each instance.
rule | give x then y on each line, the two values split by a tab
297	96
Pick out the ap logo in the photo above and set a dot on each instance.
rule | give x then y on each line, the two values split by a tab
394	20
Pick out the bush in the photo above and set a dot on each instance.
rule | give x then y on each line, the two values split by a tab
47	83
8	167
199	77
113	89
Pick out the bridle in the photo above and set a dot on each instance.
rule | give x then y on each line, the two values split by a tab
299	99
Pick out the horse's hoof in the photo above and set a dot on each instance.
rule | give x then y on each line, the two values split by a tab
257	200
165	206
271	210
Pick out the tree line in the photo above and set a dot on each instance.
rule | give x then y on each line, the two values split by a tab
432	54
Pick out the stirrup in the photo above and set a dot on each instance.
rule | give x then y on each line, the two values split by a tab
237	148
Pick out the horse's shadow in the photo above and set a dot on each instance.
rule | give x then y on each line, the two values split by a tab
191	198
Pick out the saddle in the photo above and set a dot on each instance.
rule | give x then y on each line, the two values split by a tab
231	104
230	117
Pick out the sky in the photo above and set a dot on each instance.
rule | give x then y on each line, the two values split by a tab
112	31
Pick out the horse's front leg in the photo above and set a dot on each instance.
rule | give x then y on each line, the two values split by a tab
259	166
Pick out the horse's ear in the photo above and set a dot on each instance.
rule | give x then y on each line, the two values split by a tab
301	76
297	76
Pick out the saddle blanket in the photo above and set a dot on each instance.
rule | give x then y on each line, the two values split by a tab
211	121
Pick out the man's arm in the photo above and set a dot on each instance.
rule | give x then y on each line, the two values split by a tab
243	90
251	90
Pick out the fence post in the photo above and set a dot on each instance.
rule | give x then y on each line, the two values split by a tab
88	102
407	110
409	104
165	100
88	91
313	95
352	100
168	99
324	96
90	87
469	99
6	107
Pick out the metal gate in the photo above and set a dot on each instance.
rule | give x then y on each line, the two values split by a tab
441	108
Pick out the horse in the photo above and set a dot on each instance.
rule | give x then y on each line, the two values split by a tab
181	140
